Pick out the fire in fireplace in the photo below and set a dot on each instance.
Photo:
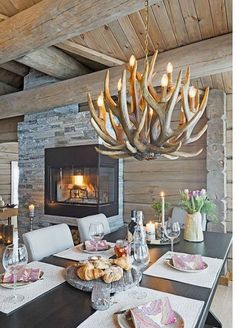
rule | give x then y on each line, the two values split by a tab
80	182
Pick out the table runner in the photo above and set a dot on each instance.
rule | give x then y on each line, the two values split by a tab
204	278
76	254
53	276
188	308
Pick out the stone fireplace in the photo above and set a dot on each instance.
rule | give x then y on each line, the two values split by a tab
59	127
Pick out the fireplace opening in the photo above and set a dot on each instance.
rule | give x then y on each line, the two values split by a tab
79	182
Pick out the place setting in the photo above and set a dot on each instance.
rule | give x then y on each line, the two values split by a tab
22	281
96	245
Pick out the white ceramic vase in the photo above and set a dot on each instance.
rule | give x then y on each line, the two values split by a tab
193	227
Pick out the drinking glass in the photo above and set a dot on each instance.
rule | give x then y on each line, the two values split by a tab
172	231
15	258
136	292
96	232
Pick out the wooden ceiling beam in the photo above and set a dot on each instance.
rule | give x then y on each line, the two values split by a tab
53	62
17	68
52	21
6	88
88	53
205	58
11	78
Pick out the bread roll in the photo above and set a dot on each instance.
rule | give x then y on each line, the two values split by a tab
88	272
123	262
114	273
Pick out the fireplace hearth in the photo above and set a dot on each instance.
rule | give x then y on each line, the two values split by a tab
80	182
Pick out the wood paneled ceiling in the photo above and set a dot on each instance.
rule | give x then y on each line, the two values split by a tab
173	24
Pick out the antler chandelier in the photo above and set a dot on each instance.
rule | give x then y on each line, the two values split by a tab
139	125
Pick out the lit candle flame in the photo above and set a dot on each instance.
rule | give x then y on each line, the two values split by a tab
162	194
164	80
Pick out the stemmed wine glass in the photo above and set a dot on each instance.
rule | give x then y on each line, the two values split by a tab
15	258
96	232
172	231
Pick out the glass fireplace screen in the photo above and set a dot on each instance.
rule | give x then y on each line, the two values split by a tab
89	185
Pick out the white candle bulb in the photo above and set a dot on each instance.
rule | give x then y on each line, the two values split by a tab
169	68
192	92
164	80
100	101
132	61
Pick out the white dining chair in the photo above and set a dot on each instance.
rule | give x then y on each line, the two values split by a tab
84	223
47	241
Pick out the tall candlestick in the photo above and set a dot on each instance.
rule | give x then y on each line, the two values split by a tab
162	209
31	210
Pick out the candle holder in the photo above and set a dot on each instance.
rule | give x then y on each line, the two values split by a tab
31	222
8	234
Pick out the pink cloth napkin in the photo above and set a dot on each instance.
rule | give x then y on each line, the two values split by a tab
153	314
25	275
90	245
188	262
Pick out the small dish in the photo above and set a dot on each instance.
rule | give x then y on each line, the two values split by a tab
124	320
94	252
19	284
170	263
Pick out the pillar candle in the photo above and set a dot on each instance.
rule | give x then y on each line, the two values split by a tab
162	209
150	228
31	210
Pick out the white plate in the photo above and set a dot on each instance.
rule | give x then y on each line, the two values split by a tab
20	284
169	262
124	321
94	252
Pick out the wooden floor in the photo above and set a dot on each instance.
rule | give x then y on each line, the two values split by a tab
222	305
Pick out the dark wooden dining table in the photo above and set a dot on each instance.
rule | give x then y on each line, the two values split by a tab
67	307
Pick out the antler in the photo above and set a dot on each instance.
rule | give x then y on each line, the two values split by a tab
140	125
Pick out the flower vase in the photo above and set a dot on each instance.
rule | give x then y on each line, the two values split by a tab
193	227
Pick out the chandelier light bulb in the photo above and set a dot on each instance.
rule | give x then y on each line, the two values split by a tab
192	92
100	101
169	68
164	80
132	61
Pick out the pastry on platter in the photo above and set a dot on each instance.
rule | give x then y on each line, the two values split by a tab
123	262
114	273
88	272
101	263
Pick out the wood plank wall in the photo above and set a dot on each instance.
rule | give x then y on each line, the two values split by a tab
229	168
144	180
8	153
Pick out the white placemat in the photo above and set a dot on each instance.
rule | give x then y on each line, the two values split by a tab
203	278
53	276
188	308
76	253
